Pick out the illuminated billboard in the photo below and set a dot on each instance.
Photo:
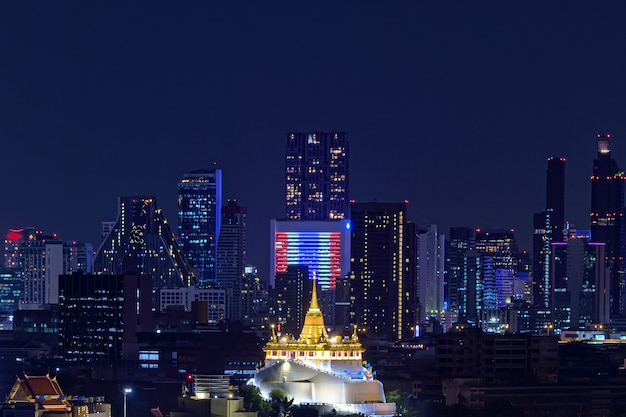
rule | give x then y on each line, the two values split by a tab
322	246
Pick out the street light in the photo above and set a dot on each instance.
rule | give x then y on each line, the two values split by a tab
126	391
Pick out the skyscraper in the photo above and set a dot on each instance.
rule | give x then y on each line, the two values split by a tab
98	313
199	218
142	242
548	227
580	283
430	271
460	241
381	281
317	176
231	253
555	195
607	218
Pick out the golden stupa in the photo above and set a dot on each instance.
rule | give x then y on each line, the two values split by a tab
319	369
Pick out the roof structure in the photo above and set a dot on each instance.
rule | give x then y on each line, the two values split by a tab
40	389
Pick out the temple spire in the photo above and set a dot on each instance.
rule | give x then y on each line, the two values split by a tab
314	329
314	304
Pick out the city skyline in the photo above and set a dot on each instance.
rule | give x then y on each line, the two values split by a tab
454	107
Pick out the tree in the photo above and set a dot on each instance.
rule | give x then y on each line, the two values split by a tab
403	404
253	401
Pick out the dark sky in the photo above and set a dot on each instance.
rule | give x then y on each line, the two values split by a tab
452	105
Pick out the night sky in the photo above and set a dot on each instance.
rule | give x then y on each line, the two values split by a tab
454	106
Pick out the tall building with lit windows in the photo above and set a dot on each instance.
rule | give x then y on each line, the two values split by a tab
430	271
199	219
607	219
382	280
142	242
317	168
548	228
580	281
231	254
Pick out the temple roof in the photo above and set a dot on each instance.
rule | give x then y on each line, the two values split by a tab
39	388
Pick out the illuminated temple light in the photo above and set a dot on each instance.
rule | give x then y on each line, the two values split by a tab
311	367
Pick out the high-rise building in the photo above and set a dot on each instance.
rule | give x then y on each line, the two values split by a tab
381	280
555	195
231	252
317	169
548	227
142	242
461	239
199	218
37	260
430	271
471	287
607	219
580	282
98	313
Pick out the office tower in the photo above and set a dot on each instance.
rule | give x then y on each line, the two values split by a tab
142	242
253	306
548	227
430	271
41	263
289	297
10	291
38	259
471	288
231	252
98	313
199	206
461	239
380	279
607	222
322	246
317	167
555	195
580	282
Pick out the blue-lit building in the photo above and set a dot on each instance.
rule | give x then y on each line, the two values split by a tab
199	219
317	167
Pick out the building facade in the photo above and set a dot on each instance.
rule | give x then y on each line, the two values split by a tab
199	219
579	282
607	219
430	271
142	242
382	277
98	313
317	167
548	228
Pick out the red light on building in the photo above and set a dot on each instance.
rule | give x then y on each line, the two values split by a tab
477	230
406	201
14	236
608	135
